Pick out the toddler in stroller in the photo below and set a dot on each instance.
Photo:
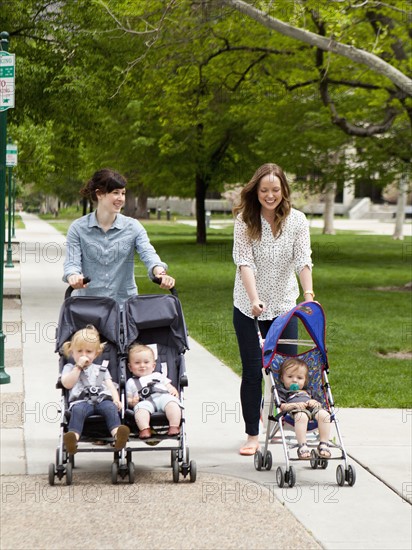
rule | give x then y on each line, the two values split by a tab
299	402
148	392
89	331
91	389
157	321
310	409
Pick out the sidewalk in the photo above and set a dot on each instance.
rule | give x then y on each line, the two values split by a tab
231	505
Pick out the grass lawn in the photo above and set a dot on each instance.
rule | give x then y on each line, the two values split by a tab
358	279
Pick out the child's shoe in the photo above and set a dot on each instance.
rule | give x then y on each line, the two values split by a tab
145	434
121	437
173	430
70	442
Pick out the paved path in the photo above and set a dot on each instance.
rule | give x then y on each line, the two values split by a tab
230	506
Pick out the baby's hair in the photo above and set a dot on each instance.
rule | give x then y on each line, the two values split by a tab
88	335
293	363
141	347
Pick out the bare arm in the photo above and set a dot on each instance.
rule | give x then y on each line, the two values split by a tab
305	277
172	390
249	282
115	394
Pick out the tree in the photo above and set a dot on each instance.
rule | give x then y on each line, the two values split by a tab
377	25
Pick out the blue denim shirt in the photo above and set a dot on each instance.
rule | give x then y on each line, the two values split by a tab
108	258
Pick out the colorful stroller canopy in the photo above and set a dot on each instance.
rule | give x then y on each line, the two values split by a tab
313	318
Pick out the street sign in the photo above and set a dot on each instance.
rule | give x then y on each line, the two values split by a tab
11	154
7	65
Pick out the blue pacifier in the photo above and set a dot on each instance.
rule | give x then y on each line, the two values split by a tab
294	387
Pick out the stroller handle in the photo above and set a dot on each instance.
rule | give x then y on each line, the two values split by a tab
70	289
259	334
158	281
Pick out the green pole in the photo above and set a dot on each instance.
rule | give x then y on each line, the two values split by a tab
13	194
9	262
4	377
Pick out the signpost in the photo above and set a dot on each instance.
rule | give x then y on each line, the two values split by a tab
7	64
6	102
11	160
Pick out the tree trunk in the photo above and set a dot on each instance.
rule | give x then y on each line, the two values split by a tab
201	186
130	204
400	208
329	212
142	204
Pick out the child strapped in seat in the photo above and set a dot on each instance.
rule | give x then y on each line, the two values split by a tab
149	391
299	403
91	389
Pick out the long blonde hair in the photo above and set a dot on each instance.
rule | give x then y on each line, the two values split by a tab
250	208
87	335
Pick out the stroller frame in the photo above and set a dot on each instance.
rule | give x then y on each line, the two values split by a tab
76	313
143	324
119	330
313	318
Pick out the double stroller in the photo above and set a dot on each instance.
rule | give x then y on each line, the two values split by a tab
278	424
148	319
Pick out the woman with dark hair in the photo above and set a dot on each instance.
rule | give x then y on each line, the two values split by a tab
271	246
101	245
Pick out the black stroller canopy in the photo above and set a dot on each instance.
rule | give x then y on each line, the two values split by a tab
77	312
160	314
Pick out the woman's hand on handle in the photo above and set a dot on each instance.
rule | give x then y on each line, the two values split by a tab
77	280
166	281
258	307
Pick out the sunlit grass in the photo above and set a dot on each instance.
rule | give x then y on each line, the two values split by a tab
354	278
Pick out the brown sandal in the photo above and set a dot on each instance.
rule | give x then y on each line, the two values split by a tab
303	452
323	450
145	434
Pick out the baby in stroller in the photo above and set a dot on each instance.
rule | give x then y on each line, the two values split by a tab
297	401
148	391
91	389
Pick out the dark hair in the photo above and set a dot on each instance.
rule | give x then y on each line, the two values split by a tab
250	207
105	180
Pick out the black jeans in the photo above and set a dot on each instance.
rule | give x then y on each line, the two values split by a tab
251	357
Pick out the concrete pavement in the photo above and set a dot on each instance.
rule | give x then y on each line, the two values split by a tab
231	505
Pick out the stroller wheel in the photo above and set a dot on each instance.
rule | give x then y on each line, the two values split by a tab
258	460
340	476
324	464
130	470
351	475
176	471
187	455
192	471
114	472
280	477
290	477
268	461
314	461
69	474
51	473
173	456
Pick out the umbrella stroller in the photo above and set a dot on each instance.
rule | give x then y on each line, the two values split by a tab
312	316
